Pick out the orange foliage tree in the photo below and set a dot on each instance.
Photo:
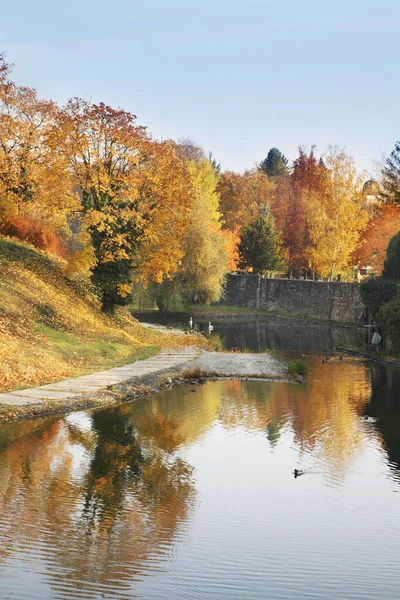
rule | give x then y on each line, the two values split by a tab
231	243
320	212
371	249
289	207
133	194
243	197
34	179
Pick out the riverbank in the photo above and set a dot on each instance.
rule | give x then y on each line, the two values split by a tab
221	312
52	328
59	352
391	361
121	384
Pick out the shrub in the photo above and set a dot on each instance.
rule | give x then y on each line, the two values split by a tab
297	367
81	261
35	232
378	291
389	319
169	296
391	269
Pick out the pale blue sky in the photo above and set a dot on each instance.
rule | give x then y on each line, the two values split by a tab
237	77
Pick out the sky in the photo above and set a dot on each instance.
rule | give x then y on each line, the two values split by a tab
236	77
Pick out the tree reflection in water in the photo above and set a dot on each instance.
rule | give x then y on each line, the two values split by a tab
93	502
385	406
323	414
99	499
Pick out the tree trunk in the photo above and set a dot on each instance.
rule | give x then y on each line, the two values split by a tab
108	304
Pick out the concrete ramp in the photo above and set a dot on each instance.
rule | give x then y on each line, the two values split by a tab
78	386
232	364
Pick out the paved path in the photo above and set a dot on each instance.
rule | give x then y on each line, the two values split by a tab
72	388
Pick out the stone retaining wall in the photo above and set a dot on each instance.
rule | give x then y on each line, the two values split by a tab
330	301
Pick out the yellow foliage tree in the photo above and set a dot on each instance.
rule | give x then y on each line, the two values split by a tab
336	216
205	258
204	183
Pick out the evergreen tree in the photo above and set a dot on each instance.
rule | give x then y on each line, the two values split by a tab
215	165
391	176
259	247
275	164
391	268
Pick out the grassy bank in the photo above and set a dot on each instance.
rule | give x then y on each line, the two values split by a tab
199	311
51	327
216	311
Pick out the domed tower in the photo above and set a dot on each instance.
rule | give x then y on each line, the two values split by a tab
371	191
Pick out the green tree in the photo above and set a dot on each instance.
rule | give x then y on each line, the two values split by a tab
259	247
389	319
377	291
387	302
391	269
216	165
275	164
391	176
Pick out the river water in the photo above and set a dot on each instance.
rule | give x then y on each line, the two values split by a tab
190	494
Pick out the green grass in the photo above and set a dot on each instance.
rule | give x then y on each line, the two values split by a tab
297	367
94	350
212	310
216	311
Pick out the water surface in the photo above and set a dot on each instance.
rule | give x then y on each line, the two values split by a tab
262	333
190	493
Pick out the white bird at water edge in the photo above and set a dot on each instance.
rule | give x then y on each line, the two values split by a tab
210	327
191	322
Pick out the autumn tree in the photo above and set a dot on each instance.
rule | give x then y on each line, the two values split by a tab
231	241
205	257
275	164
391	176
34	179
259	246
230	188
188	150
289	207
373	243
243	197
133	195
336	216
